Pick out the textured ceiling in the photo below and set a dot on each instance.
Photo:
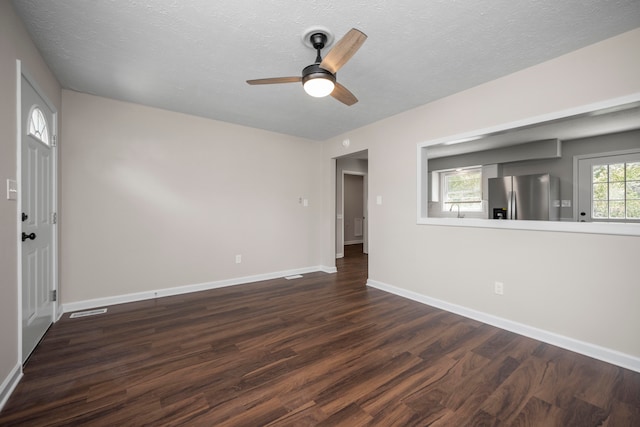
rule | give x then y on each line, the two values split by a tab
194	56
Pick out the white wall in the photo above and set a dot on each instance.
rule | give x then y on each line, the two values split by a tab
580	286
15	44
156	199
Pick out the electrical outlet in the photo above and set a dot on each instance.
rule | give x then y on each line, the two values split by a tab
238	259
498	288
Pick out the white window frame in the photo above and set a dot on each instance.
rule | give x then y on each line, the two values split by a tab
447	206
422	177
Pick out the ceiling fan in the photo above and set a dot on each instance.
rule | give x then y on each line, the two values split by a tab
319	78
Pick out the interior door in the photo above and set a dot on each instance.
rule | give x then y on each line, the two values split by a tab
354	208
37	198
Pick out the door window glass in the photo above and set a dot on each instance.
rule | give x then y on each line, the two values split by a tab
615	190
38	126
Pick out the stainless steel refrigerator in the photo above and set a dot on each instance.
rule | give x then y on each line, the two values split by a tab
528	197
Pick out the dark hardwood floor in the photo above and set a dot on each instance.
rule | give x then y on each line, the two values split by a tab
321	350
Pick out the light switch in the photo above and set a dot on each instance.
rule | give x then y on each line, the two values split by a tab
378	200
12	189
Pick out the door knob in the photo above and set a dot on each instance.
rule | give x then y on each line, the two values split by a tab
26	236
24	217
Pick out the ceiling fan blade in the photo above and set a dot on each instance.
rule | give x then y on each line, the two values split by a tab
343	50
275	80
343	95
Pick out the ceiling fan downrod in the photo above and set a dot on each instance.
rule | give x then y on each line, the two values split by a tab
318	41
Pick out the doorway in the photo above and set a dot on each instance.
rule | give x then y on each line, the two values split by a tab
352	224
353	209
37	237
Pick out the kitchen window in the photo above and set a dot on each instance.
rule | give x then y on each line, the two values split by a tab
462	189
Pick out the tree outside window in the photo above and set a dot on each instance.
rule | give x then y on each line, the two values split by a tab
462	188
616	191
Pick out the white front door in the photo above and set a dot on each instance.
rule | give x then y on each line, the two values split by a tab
37	202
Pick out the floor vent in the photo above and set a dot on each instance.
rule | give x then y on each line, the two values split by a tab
295	276
88	313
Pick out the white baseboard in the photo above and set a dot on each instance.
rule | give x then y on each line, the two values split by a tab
158	293
9	384
354	242
339	255
592	350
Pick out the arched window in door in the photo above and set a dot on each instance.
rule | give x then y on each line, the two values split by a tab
38	125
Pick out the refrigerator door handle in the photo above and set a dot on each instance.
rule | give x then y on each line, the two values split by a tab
510	205
514	205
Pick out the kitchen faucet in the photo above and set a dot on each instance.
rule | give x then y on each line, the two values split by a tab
456	204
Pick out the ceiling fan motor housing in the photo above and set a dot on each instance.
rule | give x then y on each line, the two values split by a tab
314	71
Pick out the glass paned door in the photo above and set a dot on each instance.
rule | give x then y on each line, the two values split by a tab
609	188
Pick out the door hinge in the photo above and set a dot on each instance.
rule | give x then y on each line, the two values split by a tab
54	217
54	295
54	140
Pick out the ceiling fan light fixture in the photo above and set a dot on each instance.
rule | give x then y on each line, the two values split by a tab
318	82
319	87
